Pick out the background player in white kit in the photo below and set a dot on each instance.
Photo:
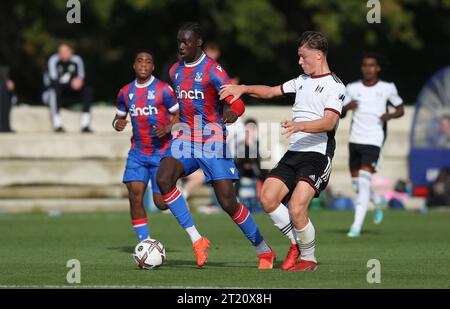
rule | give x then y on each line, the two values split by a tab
368	98
305	169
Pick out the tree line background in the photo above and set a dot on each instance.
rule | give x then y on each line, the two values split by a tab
257	38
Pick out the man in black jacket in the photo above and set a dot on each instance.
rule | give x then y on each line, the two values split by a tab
66	78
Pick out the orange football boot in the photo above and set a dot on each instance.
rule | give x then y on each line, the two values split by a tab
200	247
266	259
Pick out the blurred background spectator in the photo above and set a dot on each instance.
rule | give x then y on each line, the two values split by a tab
440	189
249	167
65	85
7	99
439	132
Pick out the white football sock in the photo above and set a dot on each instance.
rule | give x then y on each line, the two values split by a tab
375	198
282	220
307	242
56	121
194	235
355	184
85	120
362	203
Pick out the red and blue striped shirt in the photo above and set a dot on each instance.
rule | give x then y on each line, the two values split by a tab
149	105
197	85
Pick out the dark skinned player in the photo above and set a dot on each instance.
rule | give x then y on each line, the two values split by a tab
153	109
197	79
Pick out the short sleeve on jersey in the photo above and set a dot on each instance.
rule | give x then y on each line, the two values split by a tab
290	86
348	95
121	107
169	99
394	98
335	99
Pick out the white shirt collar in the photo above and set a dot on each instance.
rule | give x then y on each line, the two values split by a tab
193	64
145	84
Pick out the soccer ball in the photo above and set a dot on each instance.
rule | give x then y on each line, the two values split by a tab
149	254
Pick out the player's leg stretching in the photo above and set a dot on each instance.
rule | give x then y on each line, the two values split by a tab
362	161
136	191
362	185
304	229
241	216
169	172
273	192
376	199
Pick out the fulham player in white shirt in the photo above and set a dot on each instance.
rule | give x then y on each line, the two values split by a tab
305	169
368	98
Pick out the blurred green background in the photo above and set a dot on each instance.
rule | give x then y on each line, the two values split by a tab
257	37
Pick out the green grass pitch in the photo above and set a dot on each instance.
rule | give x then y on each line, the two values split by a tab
413	249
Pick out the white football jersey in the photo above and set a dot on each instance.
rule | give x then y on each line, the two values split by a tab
314	95
366	127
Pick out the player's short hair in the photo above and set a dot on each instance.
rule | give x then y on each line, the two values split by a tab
381	60
313	40
193	27
65	43
144	50
373	55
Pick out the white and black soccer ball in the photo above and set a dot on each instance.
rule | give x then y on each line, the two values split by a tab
149	254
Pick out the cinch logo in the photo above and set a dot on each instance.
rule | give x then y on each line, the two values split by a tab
190	94
143	111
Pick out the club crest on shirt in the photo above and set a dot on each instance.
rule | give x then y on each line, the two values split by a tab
130	96
151	95
176	75
198	77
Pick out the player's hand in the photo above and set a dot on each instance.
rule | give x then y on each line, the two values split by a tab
229	117
291	127
385	117
120	124
160	131
352	105
76	83
236	91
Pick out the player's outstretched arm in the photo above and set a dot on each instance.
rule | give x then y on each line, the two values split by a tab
326	123
256	91
120	122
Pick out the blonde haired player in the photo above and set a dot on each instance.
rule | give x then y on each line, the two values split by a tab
305	169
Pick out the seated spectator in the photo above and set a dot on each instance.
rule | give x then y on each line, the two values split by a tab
65	82
440	189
